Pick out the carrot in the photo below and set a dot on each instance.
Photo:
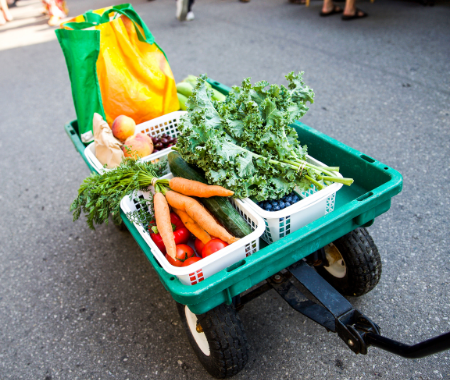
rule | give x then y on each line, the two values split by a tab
198	189
202	217
195	229
162	216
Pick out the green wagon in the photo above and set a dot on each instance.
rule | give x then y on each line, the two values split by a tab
328	258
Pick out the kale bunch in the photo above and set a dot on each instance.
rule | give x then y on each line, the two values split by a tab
246	143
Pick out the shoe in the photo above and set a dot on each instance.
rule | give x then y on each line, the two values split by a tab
190	16
182	9
356	15
336	9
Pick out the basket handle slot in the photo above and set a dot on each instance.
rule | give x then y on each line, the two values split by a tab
364	196
367	158
235	266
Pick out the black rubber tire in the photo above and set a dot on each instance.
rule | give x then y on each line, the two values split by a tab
363	264
226	337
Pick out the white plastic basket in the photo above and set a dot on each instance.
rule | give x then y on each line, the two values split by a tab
164	124
312	205
214	263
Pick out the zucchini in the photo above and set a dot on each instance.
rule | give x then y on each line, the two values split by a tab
220	207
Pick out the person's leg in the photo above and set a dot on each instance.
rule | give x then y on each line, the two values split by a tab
328	8
190	15
182	9
350	9
6	13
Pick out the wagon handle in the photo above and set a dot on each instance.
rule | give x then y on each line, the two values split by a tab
415	351
327	307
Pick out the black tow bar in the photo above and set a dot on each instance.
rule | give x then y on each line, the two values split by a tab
322	303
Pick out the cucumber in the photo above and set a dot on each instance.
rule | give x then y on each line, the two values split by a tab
182	100
185	88
220	207
192	80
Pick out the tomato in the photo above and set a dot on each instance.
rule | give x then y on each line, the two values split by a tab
212	246
175	219
198	246
174	262
184	252
191	260
157	239
181	234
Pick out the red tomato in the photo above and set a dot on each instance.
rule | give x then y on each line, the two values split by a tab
175	219
184	252
199	246
181	234
212	246
157	239
191	260
174	262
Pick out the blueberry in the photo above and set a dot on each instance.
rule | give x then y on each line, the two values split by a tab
268	206
289	199
288	204
282	205
275	203
276	208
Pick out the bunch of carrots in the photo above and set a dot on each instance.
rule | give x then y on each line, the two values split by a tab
99	198
177	193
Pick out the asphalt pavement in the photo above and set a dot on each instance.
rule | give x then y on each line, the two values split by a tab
82	304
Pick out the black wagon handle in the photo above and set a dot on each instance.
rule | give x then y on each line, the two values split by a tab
327	307
415	351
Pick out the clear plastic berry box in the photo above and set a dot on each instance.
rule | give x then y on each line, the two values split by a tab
233	254
312	205
166	124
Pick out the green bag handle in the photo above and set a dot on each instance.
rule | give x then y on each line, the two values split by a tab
94	19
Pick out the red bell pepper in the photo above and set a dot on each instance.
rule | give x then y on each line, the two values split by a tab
180	233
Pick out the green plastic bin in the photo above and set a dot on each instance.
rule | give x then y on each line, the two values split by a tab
355	206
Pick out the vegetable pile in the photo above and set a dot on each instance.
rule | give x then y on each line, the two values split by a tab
99	197
246	144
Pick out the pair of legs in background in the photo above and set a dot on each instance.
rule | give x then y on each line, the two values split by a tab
348	13
184	10
5	14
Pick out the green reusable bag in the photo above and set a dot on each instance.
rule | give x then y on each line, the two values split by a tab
116	67
81	49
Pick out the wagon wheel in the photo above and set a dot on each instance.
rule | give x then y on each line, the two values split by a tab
354	263
218	339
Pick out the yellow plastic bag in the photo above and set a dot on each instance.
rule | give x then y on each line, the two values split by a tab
116	67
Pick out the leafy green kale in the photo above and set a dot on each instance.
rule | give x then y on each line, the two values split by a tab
246	143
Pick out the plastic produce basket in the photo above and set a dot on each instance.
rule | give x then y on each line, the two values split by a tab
312	205
156	127
212	264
